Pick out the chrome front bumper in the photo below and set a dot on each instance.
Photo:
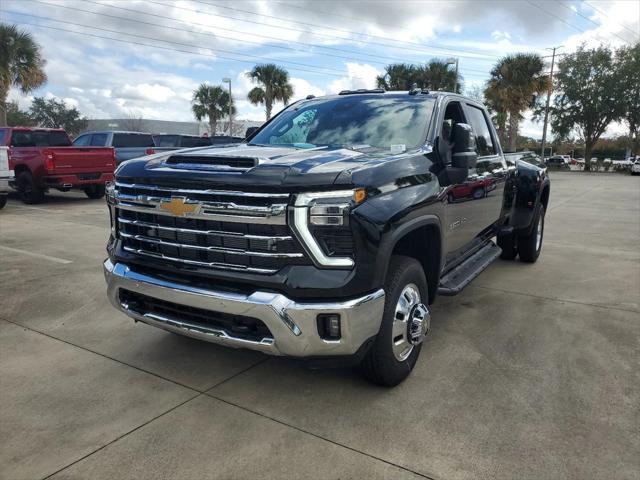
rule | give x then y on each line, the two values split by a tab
292	324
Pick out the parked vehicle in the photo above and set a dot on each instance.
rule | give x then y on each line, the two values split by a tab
635	168
43	158
526	156
127	145
164	140
327	235
558	162
6	175
224	140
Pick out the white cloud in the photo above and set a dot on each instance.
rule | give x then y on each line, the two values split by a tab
359	75
145	91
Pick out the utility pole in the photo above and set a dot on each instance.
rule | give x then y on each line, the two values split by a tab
546	110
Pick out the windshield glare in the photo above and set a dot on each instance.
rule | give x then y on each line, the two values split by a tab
356	122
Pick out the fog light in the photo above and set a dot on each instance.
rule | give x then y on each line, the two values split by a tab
329	326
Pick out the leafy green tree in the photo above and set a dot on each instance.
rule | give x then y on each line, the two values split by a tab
514	81
273	85
21	65
211	101
54	113
17	117
589	96
628	60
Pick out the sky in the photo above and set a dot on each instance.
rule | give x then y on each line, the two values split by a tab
144	58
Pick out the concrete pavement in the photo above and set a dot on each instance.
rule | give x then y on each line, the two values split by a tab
533	371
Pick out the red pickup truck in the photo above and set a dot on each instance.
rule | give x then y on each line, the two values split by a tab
43	158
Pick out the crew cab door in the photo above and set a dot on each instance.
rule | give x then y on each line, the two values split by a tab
463	206
491	169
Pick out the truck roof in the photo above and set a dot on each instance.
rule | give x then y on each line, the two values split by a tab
128	132
35	129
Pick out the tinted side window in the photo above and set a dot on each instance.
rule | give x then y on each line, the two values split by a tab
58	139
484	142
167	141
22	138
190	142
99	139
132	140
82	141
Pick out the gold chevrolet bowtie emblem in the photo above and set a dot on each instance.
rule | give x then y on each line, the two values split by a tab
178	206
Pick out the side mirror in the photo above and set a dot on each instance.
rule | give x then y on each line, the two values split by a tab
464	147
464	154
250	131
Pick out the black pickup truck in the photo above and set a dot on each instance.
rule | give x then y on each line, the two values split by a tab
328	232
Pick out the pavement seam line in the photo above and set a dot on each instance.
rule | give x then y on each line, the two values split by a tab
555	299
237	374
320	437
51	258
123	435
102	355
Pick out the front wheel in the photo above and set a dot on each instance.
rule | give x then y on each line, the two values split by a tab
94	191
530	245
405	323
3	201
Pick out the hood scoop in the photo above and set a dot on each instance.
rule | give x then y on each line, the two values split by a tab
208	162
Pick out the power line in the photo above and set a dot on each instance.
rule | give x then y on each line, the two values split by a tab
422	50
590	20
555	16
214	35
617	23
168	48
320	70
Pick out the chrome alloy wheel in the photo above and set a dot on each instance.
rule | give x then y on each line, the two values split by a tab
539	233
411	322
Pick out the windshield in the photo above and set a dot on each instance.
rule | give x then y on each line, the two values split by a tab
378	121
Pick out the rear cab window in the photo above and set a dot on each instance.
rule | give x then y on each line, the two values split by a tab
167	140
128	140
40	138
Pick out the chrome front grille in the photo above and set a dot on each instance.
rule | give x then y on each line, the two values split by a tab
219	229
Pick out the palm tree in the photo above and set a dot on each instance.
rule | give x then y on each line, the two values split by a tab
211	101
437	75
513	83
495	103
21	65
398	76
273	86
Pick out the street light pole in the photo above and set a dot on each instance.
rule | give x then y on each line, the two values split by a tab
228	80
546	109
454	61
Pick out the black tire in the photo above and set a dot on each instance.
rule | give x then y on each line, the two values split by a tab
508	244
94	191
479	193
380	364
28	191
3	201
528	246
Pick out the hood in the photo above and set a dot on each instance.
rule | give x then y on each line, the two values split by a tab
243	164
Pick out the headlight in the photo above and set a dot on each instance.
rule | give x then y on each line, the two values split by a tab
322	210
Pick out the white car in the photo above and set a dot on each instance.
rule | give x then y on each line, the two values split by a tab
6	176
635	168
